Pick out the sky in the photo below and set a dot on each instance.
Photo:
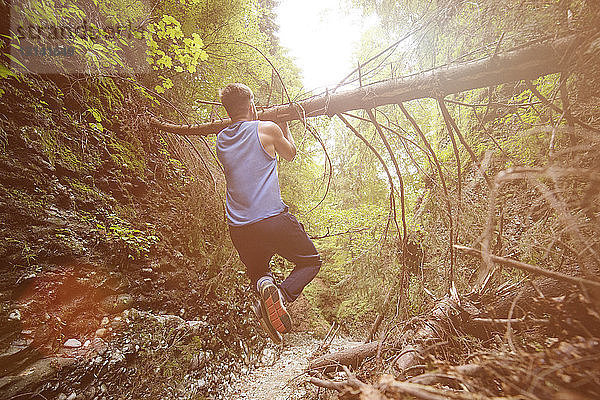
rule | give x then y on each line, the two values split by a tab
322	37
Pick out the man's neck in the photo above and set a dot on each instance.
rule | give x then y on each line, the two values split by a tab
249	116
234	120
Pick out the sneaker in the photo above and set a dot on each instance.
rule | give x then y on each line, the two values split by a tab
272	304
264	322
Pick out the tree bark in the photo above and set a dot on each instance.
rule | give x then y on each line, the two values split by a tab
432	330
528	63
349	357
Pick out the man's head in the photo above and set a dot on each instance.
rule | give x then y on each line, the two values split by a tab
238	100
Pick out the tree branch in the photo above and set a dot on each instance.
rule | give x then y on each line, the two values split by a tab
531	268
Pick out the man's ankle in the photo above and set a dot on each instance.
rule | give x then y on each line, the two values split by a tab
263	280
286	297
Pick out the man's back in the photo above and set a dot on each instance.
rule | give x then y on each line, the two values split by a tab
253	190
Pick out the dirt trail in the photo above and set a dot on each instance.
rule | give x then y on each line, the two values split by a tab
280	378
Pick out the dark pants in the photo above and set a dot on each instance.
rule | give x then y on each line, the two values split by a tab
284	235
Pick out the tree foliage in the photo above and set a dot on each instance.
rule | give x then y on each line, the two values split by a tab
505	127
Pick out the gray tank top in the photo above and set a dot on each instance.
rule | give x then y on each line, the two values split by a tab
251	173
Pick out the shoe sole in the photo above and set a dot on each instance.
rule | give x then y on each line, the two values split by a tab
276	312
274	335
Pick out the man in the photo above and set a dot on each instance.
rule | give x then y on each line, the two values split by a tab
259	223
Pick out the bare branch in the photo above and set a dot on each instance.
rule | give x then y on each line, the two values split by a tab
398	174
440	174
448	118
554	107
532	269
381	160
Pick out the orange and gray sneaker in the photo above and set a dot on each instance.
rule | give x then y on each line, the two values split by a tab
264	322
271	302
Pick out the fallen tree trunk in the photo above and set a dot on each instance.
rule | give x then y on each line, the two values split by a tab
432	329
549	375
349	357
416	343
498	303
523	63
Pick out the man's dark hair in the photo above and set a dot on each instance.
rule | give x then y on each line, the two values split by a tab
236	98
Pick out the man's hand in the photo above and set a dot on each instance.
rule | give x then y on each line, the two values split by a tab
276	138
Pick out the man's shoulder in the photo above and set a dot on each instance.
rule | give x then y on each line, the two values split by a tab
266	124
268	127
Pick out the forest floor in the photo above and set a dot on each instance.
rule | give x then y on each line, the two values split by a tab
281	373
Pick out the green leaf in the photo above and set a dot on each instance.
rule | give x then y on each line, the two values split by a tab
96	114
13	58
96	125
5	72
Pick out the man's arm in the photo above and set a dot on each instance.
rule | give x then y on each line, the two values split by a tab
290	146
276	138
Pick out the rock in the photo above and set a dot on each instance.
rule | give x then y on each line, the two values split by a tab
171	321
197	326
198	361
117	303
15	315
118	323
72	343
72	396
105	321
99	346
268	356
101	332
40	371
62	396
